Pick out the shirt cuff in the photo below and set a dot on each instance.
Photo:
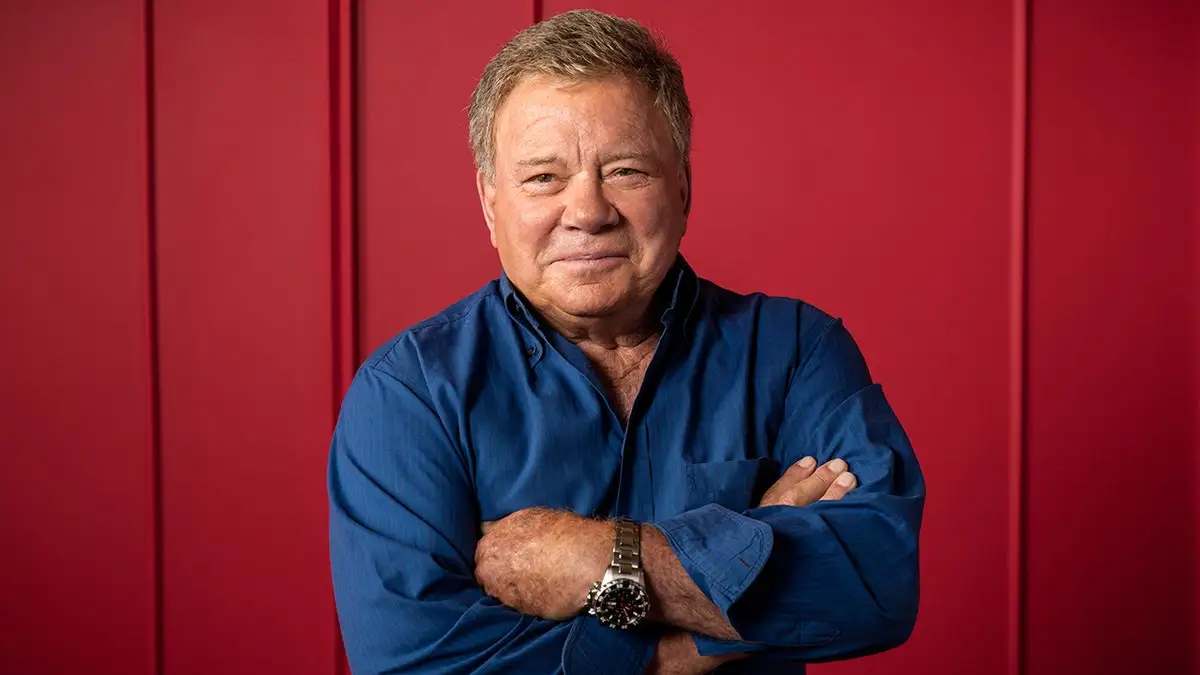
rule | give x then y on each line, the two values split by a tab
722	551
711	646
593	649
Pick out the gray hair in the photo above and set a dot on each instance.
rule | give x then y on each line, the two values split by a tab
581	45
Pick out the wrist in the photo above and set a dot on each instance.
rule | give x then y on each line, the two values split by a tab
619	599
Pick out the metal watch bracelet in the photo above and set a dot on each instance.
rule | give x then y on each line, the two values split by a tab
627	548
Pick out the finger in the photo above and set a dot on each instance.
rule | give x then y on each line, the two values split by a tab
795	473
814	487
487	525
843	484
800	470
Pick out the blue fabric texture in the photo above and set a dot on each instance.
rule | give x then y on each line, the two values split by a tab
482	411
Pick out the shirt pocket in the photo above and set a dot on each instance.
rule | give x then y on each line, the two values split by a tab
737	485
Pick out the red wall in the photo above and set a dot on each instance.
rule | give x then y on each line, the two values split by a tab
77	496
1112	408
210	226
243	207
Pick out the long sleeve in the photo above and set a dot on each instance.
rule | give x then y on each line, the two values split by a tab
403	530
833	579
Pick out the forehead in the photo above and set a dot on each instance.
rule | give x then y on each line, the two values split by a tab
542	111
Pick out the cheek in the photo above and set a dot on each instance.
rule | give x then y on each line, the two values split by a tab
652	216
524	223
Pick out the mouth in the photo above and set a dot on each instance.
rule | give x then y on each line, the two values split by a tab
589	257
590	264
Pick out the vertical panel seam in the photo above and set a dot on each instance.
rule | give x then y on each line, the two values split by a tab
152	303
1195	303
343	268
538	11
1019	340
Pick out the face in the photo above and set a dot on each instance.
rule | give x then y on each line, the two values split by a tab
586	206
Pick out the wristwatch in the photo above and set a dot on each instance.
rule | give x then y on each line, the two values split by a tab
620	600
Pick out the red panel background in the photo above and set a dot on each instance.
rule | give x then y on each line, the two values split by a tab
897	200
242	93
1195	107
77	583
421	241
1112	348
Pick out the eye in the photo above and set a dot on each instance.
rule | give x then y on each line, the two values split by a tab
543	184
625	172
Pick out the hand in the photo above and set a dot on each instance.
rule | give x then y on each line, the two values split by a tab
803	483
542	562
676	655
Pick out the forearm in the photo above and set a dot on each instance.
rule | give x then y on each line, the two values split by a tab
834	581
674	597
829	580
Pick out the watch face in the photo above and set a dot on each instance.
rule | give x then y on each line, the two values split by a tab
621	603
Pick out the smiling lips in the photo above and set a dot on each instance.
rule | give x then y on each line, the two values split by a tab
589	257
590	263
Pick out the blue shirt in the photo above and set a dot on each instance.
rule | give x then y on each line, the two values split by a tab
482	410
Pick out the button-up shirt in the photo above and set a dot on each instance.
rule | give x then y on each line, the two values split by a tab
484	410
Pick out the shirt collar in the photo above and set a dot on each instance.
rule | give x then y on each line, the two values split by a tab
685	290
681	282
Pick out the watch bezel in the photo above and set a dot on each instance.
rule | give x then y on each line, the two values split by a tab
602	605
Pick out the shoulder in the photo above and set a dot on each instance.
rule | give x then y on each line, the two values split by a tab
408	354
785	330
772	316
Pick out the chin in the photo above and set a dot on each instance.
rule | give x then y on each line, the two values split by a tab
589	310
590	301
591	296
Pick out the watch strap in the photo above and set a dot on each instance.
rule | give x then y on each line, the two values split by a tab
627	549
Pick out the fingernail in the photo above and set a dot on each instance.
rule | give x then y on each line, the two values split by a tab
807	463
845	480
837	465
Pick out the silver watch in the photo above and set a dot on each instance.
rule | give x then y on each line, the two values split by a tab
620	600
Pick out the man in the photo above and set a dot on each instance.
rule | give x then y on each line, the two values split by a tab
601	463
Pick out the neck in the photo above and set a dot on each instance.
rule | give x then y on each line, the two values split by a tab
630	327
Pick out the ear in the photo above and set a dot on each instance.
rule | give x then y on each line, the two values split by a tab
487	199
685	192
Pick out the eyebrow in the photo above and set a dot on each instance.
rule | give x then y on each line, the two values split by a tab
537	161
544	160
630	154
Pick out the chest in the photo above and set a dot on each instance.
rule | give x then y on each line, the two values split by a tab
701	435
622	376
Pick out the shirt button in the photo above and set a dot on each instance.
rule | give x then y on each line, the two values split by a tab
530	351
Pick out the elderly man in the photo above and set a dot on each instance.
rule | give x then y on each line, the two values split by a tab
600	463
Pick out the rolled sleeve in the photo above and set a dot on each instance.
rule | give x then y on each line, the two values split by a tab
722	551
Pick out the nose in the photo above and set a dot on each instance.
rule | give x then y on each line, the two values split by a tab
587	207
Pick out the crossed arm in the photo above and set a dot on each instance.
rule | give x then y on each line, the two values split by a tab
541	562
833	579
